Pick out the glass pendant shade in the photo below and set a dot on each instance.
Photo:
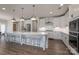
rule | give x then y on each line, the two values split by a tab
22	18
33	18
13	20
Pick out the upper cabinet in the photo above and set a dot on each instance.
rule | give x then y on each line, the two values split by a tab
15	26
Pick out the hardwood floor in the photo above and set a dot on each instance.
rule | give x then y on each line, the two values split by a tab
55	47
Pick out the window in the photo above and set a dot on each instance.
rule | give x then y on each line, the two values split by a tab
2	28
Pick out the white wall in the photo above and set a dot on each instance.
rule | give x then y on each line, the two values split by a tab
73	9
9	26
2	21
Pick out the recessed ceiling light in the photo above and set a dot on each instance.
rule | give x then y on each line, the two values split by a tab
50	9
50	12
61	4
3	8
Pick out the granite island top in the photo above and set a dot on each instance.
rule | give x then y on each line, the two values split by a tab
31	33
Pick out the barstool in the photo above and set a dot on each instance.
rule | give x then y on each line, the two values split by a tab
12	40
36	41
18	38
6	37
33	40
23	39
29	40
9	36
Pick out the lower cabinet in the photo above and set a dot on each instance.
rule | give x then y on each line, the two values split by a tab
54	35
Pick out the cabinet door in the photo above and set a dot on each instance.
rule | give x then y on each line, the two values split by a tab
78	25
73	42
78	42
34	25
28	27
73	26
14	27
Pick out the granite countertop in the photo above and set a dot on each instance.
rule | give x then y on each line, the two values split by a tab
31	33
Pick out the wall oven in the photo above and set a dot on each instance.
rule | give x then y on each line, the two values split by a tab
74	34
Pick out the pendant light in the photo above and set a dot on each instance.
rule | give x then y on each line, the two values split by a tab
13	19
22	17
33	17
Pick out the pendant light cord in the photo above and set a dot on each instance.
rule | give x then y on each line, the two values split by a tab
33	10
22	11
13	13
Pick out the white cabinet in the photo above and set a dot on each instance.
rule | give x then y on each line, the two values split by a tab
50	34
65	38
54	35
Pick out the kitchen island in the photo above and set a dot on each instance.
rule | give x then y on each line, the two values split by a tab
38	39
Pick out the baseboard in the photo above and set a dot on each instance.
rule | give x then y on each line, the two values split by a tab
71	49
53	39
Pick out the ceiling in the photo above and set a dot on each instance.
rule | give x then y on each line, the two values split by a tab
41	10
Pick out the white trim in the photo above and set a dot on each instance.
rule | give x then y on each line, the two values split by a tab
73	35
72	50
74	31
